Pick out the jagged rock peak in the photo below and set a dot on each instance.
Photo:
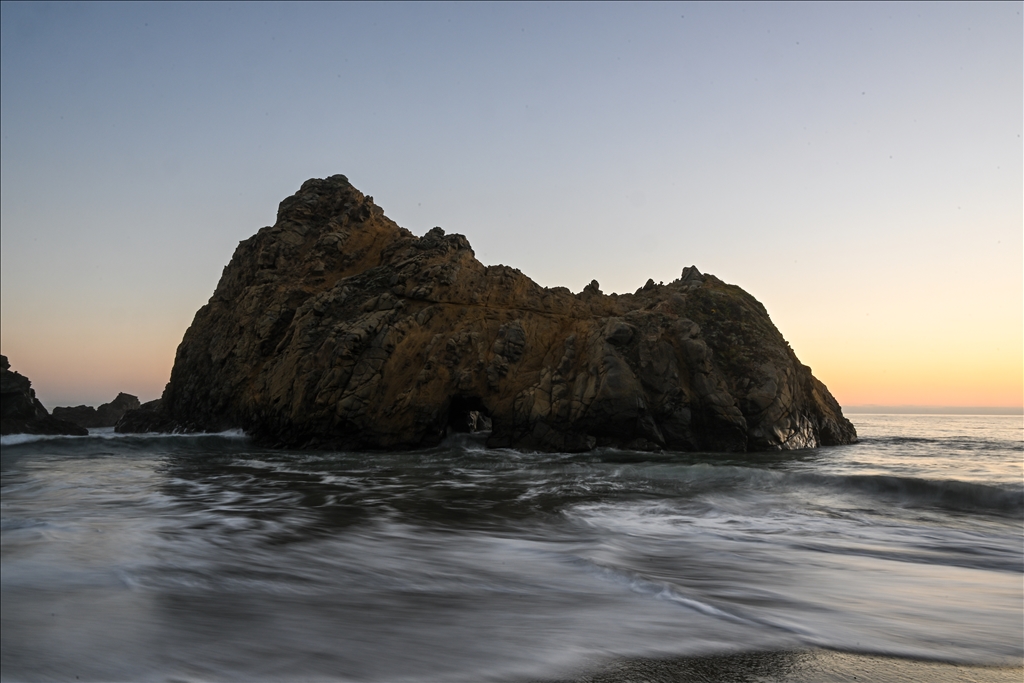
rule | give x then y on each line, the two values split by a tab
691	274
335	327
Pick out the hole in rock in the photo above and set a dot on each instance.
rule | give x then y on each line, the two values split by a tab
468	414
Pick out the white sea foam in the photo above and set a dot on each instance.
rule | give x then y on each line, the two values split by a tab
17	439
209	553
109	433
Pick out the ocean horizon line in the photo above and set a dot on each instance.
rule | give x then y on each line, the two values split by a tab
872	408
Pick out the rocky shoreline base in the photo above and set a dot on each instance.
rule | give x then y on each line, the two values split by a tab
813	666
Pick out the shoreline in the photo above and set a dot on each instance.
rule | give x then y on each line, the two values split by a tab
801	666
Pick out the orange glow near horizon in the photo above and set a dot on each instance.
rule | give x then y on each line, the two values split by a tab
95	369
973	359
903	378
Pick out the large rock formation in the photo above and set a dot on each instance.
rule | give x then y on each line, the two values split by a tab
338	328
20	410
106	415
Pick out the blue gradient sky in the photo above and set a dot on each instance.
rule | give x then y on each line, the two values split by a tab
856	167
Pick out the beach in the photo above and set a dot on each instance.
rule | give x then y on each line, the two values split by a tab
815	666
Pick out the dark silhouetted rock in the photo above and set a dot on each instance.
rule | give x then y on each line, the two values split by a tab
146	418
106	415
20	410
338	328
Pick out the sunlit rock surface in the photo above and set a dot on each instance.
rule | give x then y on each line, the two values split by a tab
337	328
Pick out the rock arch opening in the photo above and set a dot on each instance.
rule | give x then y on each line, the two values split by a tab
468	414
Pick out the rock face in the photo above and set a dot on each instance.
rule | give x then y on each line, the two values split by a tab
337	328
20	410
106	415
149	417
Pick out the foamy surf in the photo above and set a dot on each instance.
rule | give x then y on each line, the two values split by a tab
207	556
109	433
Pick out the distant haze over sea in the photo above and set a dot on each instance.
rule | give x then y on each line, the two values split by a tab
935	410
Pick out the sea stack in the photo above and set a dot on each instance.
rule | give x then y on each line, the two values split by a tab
106	415
336	328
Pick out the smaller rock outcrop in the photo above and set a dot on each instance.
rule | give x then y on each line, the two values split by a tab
22	413
147	418
106	415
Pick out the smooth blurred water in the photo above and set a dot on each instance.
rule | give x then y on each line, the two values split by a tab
158	558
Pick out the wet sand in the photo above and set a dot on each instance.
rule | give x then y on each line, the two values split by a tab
816	666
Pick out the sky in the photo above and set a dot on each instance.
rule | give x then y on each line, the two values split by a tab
856	167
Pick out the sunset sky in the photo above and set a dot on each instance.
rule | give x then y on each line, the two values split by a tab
856	167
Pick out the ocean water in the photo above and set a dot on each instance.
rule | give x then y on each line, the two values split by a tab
195	558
